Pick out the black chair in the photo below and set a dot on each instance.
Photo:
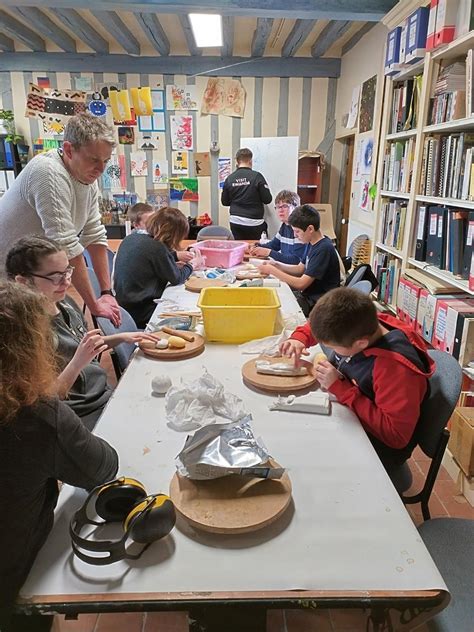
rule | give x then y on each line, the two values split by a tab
450	542
121	353
214	232
431	433
362	272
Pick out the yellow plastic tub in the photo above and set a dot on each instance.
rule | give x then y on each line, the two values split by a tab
238	314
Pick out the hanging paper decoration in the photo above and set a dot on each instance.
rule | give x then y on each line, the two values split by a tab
138	163
224	96
126	135
184	189
181	131
141	99
181	97
160	171
180	163
158	198
97	107
120	104
224	170
54	107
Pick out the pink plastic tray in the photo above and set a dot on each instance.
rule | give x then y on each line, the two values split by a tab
222	254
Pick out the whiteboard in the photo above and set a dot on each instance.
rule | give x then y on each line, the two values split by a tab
276	158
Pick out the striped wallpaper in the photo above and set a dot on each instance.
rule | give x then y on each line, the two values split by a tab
275	107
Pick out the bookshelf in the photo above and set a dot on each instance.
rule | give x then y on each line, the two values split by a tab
459	131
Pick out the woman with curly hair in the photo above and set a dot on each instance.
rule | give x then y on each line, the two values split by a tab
41	441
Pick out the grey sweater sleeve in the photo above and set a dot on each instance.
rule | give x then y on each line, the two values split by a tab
166	268
81	459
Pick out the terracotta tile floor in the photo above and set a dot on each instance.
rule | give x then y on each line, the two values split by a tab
444	502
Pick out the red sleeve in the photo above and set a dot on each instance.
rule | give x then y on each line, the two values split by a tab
304	335
393	415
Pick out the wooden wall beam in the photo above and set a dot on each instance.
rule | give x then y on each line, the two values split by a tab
297	36
6	44
261	35
227	36
154	31
357	36
83	30
328	36
40	22
117	29
188	34
19	31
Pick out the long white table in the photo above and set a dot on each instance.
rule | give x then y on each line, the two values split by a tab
346	540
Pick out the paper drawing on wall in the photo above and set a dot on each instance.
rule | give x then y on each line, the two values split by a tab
148	140
157	100
224	170
354	111
181	97
184	189
181	131
120	104
43	82
179	165
106	88
364	199
83	83
138	164
367	105
97	107
52	125
202	163
160	171
54	105
367	150
112	174
158	198
224	96
126	135
141	99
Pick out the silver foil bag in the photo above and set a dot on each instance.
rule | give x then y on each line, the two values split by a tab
218	450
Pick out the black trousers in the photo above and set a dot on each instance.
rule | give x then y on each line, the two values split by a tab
248	232
304	302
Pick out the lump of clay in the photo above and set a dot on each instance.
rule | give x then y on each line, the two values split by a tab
176	342
160	384
147	344
162	343
320	357
279	368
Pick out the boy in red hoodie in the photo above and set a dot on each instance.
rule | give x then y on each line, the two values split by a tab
376	365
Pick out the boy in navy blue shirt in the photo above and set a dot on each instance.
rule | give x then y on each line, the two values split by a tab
284	247
320	272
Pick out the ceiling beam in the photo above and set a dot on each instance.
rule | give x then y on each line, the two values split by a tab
328	36
44	25
83	30
177	65
227	36
357	36
6	44
154	31
297	36
19	31
261	35
117	29
351	10
188	34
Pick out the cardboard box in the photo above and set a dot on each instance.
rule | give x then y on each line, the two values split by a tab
461	440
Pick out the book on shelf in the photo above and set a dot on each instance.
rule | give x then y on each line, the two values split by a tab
435	286
387	270
405	99
398	166
393	223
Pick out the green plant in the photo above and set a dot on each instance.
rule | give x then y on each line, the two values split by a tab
9	124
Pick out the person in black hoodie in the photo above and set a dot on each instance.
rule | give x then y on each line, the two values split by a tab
42	442
246	191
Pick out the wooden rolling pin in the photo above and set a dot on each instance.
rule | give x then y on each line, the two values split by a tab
177	332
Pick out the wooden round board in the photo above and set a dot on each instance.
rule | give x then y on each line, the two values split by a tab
245	275
189	351
196	284
231	504
275	383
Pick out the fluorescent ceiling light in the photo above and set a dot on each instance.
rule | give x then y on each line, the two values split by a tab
207	29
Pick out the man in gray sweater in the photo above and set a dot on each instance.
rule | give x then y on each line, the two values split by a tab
56	195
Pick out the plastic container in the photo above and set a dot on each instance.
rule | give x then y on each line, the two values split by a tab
222	254
235	315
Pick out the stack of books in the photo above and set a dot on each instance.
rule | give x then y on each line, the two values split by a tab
393	223
387	270
398	166
448	102
406	95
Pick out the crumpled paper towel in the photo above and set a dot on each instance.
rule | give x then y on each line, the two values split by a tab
265	346
199	403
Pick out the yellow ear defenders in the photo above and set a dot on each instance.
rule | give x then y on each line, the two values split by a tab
145	519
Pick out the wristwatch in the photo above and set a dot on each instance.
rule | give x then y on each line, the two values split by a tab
103	292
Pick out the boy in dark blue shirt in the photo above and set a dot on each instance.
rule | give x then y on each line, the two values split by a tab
284	247
320	272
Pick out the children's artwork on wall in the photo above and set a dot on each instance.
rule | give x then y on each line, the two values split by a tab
354	111
202	163
364	199
83	83
148	140
52	125
180	97
106	88
181	131
358	160
125	198
42	103
184	189
114	176
120	104
225	168
179	165
138	164
126	135
141	99
367	105
224	96
158	198
157	100
43	82
367	150
160	172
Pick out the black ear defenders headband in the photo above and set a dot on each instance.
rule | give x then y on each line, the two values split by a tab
145	519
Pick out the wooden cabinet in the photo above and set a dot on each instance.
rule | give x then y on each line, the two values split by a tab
309	179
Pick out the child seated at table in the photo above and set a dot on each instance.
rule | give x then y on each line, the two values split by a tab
377	366
138	215
320	272
146	263
284	247
42	265
42	442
